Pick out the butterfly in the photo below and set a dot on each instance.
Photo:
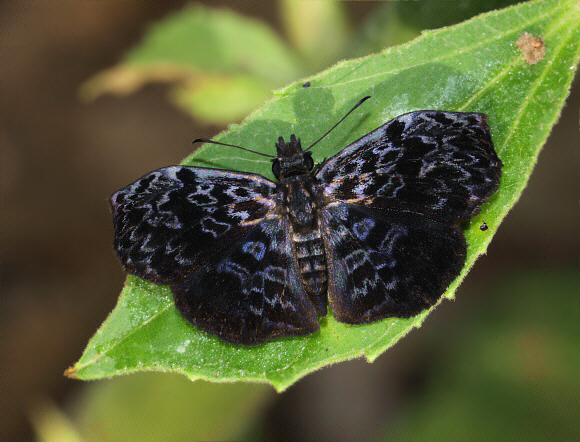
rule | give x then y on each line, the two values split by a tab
372	232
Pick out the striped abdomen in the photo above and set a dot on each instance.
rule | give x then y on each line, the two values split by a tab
312	265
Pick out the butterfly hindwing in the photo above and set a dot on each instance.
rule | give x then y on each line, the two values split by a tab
441	164
386	263
251	291
172	219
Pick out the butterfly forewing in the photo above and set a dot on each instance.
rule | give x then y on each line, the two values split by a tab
171	220
441	164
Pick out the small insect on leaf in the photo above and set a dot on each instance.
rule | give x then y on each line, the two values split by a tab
373	232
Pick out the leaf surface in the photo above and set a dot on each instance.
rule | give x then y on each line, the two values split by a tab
475	66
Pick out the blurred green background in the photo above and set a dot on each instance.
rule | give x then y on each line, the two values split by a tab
501	362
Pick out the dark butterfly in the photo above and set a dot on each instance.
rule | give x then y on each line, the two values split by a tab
373	231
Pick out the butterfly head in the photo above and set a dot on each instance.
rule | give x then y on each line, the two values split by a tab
291	159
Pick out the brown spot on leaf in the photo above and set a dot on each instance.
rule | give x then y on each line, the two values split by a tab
533	48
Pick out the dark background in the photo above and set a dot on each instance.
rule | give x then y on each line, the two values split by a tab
61	159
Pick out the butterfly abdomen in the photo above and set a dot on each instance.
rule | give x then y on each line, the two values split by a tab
312	265
300	202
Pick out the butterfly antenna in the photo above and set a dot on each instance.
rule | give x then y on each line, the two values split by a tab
205	140
361	101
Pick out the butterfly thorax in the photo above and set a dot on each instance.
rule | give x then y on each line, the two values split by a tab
300	203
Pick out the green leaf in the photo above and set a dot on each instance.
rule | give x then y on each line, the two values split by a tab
473	66
318	30
398	22
221	100
200	49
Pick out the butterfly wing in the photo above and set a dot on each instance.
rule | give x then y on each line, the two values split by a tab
204	232
172	220
387	263
250	292
440	164
398	197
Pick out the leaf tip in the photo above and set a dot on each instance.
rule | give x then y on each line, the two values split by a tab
71	372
